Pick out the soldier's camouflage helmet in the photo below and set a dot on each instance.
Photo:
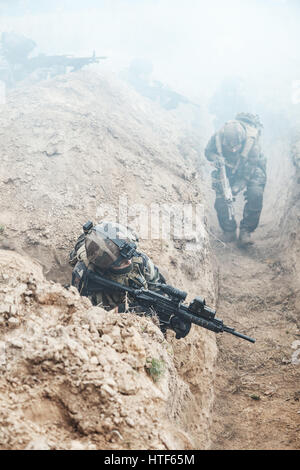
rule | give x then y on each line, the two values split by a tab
249	118
234	134
99	243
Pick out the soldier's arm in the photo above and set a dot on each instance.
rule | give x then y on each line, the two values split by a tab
248	148
252	144
211	151
262	163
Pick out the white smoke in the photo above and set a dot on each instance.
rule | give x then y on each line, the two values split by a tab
193	45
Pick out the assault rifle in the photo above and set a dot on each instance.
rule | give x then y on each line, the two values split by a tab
167	302
227	193
170	99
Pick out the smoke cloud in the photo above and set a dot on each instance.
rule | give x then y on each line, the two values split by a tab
193	45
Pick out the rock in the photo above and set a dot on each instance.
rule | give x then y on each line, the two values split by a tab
15	343
94	360
13	310
13	321
130	422
107	340
108	390
4	308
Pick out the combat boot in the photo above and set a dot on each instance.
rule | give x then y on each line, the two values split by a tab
229	237
245	238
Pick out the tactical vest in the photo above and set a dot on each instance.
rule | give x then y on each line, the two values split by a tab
253	135
252	138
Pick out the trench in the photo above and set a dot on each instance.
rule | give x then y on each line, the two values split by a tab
257	386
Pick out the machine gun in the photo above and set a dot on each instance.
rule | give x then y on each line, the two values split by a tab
61	62
167	302
226	188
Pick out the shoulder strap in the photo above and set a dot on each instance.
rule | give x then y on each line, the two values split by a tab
253	134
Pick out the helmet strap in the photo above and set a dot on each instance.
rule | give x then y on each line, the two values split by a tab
127	251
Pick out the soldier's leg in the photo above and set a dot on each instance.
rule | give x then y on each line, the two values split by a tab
227	224
253	207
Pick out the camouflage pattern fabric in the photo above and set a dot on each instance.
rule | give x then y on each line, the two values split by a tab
143	272
246	171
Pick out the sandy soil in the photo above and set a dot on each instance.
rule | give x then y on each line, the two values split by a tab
68	147
258	386
71	146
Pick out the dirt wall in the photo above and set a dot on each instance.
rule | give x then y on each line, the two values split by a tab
70	147
290	235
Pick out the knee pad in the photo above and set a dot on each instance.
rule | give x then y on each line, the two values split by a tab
223	216
216	184
254	196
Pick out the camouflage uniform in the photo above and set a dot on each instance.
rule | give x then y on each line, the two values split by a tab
246	170
142	272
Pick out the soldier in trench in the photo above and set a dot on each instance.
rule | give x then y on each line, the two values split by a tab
237	146
98	249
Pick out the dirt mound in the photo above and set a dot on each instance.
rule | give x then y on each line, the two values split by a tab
71	150
73	375
85	146
74	146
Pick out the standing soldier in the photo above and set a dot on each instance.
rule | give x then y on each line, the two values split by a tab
240	165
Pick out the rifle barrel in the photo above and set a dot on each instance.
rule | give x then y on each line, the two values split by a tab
239	335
